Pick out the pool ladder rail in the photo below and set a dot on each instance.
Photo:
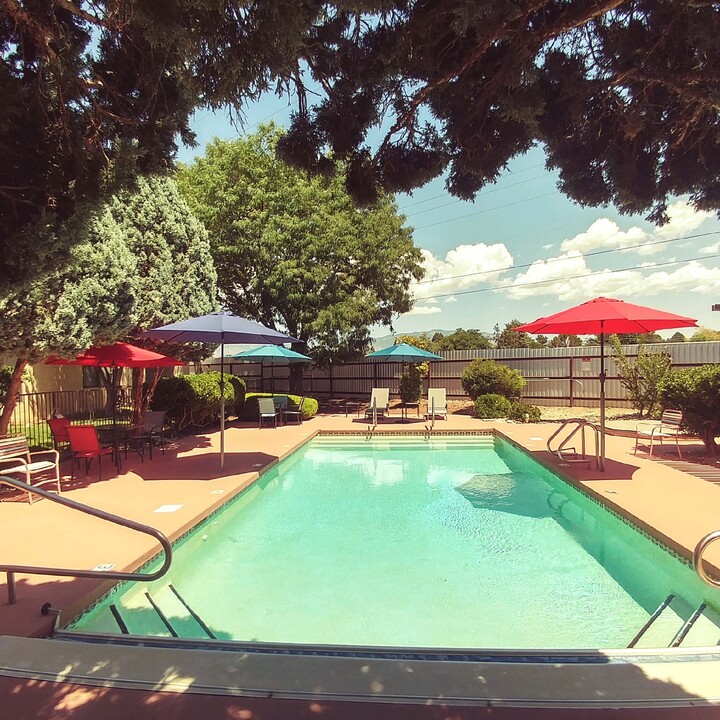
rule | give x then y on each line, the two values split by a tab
676	624
575	426
69	572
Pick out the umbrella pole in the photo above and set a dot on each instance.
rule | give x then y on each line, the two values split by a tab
222	405
602	400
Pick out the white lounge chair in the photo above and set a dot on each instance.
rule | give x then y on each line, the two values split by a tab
436	403
668	427
379	401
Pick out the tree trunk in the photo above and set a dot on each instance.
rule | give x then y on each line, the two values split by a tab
137	395
12	394
152	384
296	379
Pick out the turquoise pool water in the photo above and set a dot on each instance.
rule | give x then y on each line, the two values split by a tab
447	543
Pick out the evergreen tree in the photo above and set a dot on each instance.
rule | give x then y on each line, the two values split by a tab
127	268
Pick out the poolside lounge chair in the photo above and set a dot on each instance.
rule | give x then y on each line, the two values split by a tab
17	461
267	410
293	412
436	403
668	427
380	401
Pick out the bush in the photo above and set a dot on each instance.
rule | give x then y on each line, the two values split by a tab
5	375
240	388
695	391
492	405
486	377
411	384
642	379
192	400
250	407
518	410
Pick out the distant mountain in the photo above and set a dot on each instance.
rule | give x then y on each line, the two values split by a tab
386	340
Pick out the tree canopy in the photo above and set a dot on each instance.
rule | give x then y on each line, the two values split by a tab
623	94
293	251
460	340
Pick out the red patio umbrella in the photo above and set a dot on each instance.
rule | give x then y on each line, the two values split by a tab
117	355
600	317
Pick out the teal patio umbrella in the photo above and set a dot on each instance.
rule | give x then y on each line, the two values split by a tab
402	353
273	354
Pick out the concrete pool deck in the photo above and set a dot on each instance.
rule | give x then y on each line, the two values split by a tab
173	492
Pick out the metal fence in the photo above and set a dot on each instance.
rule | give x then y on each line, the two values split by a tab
34	409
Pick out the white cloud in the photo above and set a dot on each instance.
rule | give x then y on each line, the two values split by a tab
423	310
548	246
710	249
451	299
683	220
691	277
463	267
604	234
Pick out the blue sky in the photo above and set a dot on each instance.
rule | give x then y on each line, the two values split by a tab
522	250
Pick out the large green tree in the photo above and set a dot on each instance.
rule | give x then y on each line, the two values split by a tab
623	94
138	260
293	251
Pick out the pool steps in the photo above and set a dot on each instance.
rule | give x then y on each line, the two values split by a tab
162	613
675	624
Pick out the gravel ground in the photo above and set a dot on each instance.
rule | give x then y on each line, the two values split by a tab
558	414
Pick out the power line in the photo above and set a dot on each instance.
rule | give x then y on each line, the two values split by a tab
571	277
563	259
486	210
509	172
486	192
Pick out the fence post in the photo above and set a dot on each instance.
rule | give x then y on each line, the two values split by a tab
572	381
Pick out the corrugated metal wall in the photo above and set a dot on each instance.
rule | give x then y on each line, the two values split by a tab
556	376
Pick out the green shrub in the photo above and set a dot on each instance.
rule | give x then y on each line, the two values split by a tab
411	384
492	405
240	390
5	375
192	400
643	377
518	411
695	391
250	407
486	377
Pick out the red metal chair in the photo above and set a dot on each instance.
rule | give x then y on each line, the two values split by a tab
58	428
84	443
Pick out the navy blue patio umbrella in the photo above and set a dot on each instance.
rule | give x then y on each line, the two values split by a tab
273	354
219	327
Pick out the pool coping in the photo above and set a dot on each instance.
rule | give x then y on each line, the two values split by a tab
693	677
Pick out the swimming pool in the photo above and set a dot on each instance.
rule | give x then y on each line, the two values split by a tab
442	543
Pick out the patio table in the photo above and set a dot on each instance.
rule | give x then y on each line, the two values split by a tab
117	434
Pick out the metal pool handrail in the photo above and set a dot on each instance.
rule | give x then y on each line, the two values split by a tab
580	424
697	558
69	572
